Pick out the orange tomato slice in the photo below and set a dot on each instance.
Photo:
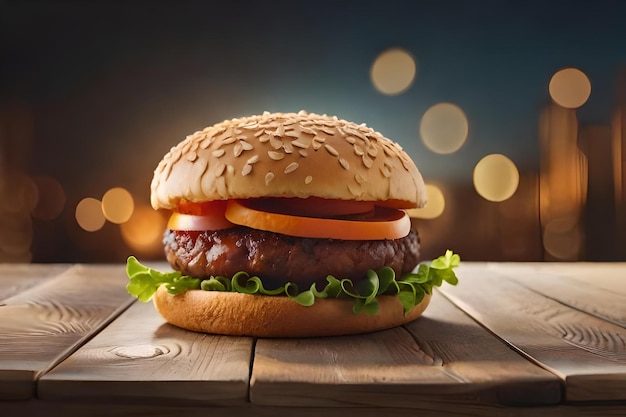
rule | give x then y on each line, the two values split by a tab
385	223
199	216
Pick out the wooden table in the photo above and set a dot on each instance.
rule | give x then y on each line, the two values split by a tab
535	339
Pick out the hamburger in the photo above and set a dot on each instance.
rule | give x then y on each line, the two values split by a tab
289	224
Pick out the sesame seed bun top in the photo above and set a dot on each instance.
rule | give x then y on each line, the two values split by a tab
287	155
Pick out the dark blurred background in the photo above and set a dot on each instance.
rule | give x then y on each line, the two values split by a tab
515	112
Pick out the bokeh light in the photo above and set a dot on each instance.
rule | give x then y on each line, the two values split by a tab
435	206
570	88
393	71
143	232
18	197
496	177
89	214
51	200
117	205
444	128
563	238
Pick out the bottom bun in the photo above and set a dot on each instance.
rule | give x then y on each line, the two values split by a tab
238	314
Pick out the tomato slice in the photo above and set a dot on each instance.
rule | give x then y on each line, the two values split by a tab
385	223
314	206
199	216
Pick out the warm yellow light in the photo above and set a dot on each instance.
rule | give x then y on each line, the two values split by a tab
444	128
143	232
562	238
393	71
117	205
89	214
570	88
435	206
496	177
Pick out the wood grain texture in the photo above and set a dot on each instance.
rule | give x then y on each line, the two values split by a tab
597	289
587	352
42	325
141	358
391	369
474	356
15	278
610	276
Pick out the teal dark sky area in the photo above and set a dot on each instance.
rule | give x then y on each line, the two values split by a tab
146	73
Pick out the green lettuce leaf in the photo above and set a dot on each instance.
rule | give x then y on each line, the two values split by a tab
144	281
410	288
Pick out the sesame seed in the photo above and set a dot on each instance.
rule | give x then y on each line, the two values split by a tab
218	152
406	161
253	159
354	189
327	130
367	161
344	164
308	179
276	156
247	168
280	131
331	150
250	125
300	144
174	155
228	140
206	142
219	171
269	177
303	153
246	145
276	143
388	151
307	130
191	156
358	150
291	167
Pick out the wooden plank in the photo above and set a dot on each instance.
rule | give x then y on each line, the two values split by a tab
465	349
39	327
610	276
390	369
443	409
139	357
15	278
578	287
588	353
